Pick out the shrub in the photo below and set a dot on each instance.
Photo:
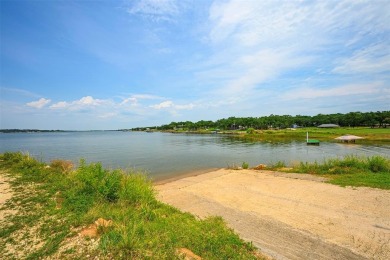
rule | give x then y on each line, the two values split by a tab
136	189
13	157
97	182
110	185
378	164
250	131
245	165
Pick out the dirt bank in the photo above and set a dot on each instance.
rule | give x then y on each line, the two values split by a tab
290	216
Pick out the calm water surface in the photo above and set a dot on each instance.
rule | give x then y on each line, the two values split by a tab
165	155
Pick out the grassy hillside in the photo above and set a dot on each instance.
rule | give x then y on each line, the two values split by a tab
53	205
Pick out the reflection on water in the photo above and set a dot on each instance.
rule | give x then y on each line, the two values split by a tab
163	154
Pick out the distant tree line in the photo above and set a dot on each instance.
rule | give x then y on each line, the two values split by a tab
352	119
28	131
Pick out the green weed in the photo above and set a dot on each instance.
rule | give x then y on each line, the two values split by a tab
245	165
277	165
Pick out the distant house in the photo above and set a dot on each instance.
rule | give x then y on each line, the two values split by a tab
328	126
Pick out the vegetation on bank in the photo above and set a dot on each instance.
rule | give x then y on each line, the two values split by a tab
349	171
55	203
322	134
370	135
353	119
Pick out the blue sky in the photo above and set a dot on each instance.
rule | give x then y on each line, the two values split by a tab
120	64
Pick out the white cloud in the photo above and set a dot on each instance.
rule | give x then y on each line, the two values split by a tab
133	100
59	105
39	103
84	102
89	101
169	104
165	104
134	105
260	67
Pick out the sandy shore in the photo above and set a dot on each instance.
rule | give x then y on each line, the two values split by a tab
290	216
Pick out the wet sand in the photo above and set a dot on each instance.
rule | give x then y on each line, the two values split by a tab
289	216
177	176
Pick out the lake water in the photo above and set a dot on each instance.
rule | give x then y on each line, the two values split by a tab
165	155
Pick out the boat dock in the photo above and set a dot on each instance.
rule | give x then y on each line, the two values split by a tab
311	141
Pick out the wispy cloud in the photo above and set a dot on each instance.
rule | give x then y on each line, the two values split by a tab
346	90
39	103
258	68
265	45
204	59
133	100
373	59
156	10
273	21
22	92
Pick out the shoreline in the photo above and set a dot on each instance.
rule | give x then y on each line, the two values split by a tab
182	175
196	173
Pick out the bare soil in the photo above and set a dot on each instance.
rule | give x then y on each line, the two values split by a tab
5	194
290	216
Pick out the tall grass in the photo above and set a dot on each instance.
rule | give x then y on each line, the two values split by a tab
346	165
142	226
371	171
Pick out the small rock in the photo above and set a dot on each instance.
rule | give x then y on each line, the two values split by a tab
260	167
